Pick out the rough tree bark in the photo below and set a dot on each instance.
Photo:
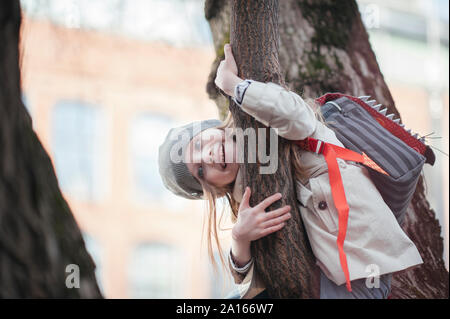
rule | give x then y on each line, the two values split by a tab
256	45
323	47
39	237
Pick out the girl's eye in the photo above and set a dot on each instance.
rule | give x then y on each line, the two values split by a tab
200	172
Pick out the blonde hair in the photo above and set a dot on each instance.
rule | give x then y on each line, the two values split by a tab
211	193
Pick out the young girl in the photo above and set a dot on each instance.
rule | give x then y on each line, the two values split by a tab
375	244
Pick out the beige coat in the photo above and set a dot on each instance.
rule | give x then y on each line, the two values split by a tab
374	240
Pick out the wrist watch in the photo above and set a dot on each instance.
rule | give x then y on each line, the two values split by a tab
239	91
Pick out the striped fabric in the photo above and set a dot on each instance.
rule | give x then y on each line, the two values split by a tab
360	132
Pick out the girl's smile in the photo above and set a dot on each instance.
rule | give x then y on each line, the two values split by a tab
211	157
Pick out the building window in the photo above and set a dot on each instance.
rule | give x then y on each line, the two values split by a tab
26	103
148	131
77	146
95	250
156	272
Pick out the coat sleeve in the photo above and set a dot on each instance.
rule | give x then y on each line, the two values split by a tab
238	274
276	107
237	277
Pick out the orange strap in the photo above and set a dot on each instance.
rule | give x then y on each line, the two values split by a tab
331	153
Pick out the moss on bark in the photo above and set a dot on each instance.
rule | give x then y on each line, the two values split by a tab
332	21
212	7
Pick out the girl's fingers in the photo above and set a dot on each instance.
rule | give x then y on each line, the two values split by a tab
275	221
272	229
276	213
228	53
269	201
245	198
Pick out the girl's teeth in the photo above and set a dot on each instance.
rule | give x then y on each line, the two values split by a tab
223	156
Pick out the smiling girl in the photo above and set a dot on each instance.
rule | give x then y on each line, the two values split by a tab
374	238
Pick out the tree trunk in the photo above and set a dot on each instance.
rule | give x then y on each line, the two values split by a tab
257	58
323	47
41	247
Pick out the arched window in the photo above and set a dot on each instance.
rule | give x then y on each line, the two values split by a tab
147	132
156	271
77	146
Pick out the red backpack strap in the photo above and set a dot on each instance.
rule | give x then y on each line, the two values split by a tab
331	152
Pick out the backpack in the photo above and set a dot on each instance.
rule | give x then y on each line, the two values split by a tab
393	156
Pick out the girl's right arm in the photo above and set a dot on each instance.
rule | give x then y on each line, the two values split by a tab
253	223
269	103
276	107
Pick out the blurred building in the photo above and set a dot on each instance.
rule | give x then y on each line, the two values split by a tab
105	80
411	42
101	105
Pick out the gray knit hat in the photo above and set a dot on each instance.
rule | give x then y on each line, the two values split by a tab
174	172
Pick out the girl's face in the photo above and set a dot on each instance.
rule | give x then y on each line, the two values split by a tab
211	157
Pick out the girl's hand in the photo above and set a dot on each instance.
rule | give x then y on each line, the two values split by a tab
226	78
254	223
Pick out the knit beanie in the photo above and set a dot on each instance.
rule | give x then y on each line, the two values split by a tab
173	170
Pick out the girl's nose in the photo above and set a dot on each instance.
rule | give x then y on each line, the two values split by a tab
207	154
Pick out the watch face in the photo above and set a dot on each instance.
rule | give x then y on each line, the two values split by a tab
240	91
241	88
